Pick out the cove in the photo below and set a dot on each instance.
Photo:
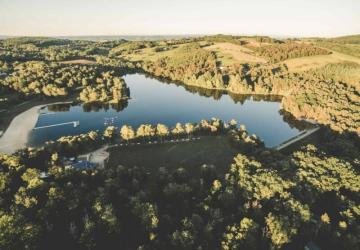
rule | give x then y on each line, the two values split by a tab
154	101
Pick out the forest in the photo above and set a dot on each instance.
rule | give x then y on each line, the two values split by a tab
280	52
52	79
336	106
267	199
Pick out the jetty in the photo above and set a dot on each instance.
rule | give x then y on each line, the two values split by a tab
75	124
51	113
296	138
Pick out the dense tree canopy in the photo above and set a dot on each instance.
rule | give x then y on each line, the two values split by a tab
52	79
265	200
281	52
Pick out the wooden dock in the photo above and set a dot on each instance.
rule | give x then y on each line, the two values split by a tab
296	138
75	124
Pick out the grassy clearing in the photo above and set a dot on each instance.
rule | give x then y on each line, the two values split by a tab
215	150
79	61
225	59
226	53
348	49
352	39
229	54
314	62
149	54
252	43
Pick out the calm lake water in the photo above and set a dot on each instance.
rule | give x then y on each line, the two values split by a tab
155	102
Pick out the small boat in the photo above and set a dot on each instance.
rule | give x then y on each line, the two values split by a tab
76	123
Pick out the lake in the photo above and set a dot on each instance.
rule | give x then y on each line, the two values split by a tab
154	101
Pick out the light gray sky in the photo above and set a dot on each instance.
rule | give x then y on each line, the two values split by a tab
160	17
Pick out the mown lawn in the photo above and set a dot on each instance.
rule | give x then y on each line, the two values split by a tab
215	150
314	62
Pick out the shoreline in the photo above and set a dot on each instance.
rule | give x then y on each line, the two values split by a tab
16	135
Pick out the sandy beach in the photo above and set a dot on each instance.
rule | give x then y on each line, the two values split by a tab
16	135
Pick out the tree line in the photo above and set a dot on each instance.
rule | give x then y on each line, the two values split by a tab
98	84
191	65
265	200
73	145
280	52
334	107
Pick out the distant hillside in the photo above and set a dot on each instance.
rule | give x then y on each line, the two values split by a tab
38	41
353	39
349	45
128	37
5	37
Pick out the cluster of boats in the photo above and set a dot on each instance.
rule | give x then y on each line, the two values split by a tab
109	121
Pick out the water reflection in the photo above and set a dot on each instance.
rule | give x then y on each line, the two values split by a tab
295	123
97	106
217	94
89	107
62	107
167	102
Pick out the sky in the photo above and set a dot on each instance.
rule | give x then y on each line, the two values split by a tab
300	18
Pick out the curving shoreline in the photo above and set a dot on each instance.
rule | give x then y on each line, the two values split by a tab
16	135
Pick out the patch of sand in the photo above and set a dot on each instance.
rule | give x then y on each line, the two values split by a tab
16	135
237	52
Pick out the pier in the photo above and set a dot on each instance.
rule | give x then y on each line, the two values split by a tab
296	138
51	113
75	124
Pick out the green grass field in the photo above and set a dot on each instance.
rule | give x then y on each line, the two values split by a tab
215	150
314	62
148	54
228	54
348	49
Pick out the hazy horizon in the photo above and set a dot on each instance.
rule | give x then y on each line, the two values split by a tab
277	18
4	36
